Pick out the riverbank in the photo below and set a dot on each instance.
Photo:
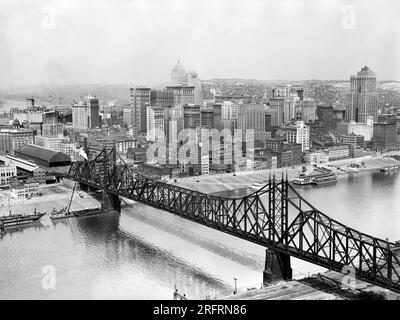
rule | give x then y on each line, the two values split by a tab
216	183
53	196
321	286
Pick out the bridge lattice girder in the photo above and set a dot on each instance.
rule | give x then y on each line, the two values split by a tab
274	216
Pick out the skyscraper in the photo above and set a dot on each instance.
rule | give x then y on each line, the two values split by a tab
192	79
178	74
155	124
183	94
85	113
252	117
140	100
362	99
191	116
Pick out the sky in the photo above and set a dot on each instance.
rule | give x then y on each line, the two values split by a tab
58	42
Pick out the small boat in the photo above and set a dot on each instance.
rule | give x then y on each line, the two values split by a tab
60	214
257	185
86	212
325	180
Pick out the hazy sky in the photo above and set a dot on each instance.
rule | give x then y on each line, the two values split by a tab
139	41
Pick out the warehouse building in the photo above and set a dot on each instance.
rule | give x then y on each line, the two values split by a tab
43	157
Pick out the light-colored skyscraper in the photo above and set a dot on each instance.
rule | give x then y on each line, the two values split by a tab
252	117
192	79
298	132
283	109
178	74
183	94
85	113
362	99
155	124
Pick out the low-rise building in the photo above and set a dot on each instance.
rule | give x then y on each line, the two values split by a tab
352	139
337	152
7	171
21	190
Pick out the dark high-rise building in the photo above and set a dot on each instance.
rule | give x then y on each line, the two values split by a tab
140	100
162	98
325	116
362	99
191	116
268	122
217	116
385	133
207	118
94	116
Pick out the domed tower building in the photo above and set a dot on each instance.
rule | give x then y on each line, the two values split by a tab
178	74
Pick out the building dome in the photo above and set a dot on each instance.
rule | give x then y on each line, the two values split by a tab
178	67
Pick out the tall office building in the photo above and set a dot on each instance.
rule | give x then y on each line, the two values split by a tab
12	139
192	79
85	113
155	124
325	116
298	132
161	98
306	111
173	123
283	109
252	116
178	74
217	116
364	129
385	138
140	100
362	99
182	94
191	116
207	118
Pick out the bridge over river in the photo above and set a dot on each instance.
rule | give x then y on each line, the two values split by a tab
275	216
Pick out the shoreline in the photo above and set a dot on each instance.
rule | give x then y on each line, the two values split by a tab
225	182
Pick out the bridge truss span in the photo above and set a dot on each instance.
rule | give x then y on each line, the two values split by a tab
275	216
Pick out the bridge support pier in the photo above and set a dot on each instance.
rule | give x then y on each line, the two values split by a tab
277	267
110	202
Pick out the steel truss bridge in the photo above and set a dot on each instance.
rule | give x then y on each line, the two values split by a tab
275	216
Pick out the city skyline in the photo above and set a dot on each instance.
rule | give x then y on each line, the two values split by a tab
140	41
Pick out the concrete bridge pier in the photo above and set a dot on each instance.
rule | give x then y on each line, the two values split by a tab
277	267
110	201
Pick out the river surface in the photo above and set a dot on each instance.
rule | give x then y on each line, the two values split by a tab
143	253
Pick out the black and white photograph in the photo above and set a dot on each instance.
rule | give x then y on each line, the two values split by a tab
217	151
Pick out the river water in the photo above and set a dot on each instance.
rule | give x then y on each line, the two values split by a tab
143	253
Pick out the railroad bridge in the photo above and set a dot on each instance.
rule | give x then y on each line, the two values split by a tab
276	216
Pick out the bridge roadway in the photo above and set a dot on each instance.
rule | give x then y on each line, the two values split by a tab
275	216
